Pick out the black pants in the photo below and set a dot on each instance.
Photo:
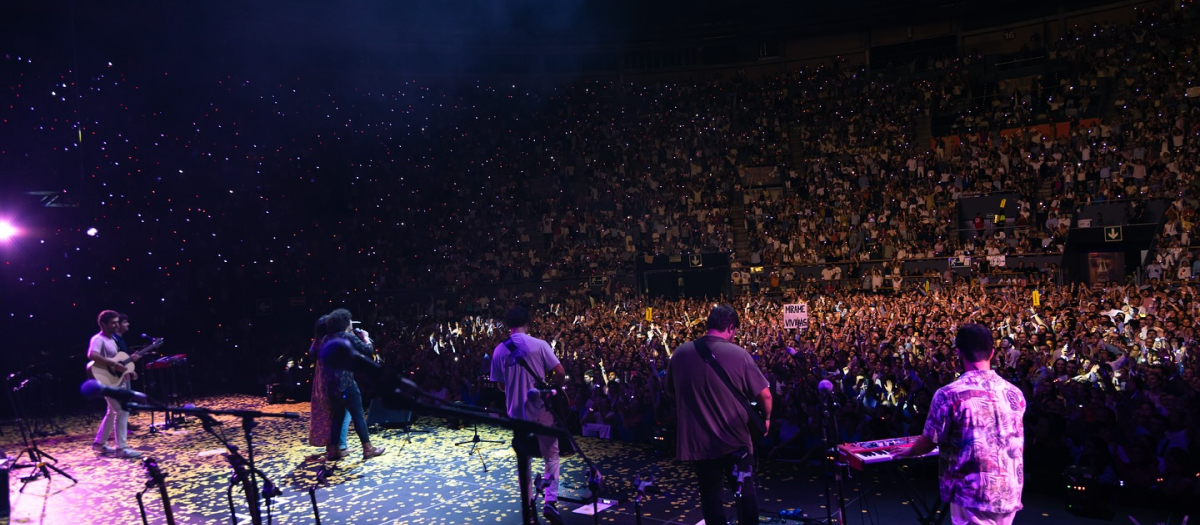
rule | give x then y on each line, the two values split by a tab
713	474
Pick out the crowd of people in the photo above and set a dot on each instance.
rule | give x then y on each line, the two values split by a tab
379	190
1110	373
582	179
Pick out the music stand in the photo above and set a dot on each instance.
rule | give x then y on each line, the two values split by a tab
37	458
475	441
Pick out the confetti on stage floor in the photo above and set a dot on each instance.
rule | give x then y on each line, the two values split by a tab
425	481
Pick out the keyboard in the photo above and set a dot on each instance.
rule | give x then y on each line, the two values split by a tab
862	453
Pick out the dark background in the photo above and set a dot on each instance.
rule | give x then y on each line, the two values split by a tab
165	237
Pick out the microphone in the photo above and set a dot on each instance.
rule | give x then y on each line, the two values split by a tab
339	354
361	334
92	389
825	387
539	392
144	336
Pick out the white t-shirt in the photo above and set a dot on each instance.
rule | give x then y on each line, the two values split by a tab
517	380
102	345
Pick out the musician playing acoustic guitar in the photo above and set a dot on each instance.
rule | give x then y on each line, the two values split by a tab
102	350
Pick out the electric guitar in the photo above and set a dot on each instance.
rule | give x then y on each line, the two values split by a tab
111	375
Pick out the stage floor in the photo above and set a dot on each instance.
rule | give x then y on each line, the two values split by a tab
426	481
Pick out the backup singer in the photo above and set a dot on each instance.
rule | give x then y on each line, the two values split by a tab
101	350
320	419
342	389
977	423
516	380
123	345
714	435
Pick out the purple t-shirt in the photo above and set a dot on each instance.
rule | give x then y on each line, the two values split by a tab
712	423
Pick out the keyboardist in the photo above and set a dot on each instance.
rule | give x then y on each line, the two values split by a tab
977	423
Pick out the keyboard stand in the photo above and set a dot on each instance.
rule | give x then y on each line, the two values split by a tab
926	514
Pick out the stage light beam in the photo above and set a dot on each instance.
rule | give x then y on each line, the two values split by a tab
7	231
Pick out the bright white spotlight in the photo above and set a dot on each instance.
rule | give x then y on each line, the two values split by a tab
7	231
92	232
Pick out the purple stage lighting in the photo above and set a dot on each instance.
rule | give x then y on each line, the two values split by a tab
7	231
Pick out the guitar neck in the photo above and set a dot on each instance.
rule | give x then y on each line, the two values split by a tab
141	352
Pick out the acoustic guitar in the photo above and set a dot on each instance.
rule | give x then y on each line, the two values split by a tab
111	375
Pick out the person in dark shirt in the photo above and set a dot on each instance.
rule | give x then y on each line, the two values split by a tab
341	388
713	434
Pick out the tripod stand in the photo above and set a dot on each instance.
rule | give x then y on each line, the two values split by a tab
37	394
37	458
384	417
408	431
475	441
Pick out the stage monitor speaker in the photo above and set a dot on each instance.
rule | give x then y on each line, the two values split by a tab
380	415
275	393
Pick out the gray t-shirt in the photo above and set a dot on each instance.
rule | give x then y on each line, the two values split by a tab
517	381
712	422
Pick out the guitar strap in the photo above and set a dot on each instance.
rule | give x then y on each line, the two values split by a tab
706	354
520	357
566	447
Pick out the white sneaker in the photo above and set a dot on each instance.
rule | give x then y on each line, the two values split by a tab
102	449
128	453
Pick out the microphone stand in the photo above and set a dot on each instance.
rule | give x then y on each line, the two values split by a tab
474	442
595	477
829	430
404	394
642	489
157	479
742	469
40	462
595	483
244	471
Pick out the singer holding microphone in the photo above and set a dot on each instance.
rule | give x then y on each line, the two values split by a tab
714	433
518	364
341	388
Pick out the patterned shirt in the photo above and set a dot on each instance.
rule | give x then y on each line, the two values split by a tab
977	423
